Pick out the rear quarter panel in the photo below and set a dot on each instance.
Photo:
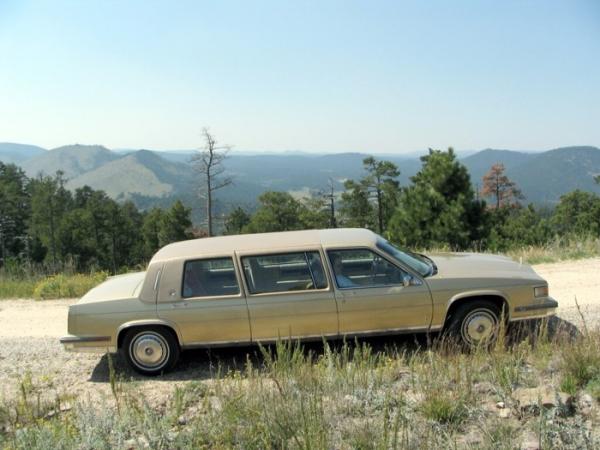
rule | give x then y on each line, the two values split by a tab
105	318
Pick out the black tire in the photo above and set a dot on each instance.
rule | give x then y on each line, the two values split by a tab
474	324
150	350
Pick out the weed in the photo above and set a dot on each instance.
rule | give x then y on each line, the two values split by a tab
581	360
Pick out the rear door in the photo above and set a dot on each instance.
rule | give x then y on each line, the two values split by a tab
372	294
204	299
289	295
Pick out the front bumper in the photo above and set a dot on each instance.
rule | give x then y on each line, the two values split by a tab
90	344
544	308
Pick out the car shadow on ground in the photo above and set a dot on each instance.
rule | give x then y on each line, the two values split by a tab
552	328
203	364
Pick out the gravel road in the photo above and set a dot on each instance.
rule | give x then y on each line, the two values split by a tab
29	332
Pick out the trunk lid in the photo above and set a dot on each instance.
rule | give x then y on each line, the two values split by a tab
116	288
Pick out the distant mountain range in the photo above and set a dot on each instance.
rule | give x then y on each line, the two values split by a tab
157	177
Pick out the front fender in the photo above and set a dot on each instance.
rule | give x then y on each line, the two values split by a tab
479	293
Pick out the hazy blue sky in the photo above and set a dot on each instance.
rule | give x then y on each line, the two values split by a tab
380	76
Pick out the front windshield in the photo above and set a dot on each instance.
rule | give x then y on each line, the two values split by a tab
414	261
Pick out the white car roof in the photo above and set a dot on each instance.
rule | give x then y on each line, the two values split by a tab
225	245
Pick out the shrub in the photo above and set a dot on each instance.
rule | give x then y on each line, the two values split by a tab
67	286
593	387
17	287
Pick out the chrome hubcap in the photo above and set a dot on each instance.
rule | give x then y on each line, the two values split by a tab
149	350
479	326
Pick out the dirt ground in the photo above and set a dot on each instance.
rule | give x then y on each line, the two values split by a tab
29	332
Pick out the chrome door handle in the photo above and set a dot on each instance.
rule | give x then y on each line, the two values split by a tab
179	304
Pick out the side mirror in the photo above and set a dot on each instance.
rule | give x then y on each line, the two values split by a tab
409	280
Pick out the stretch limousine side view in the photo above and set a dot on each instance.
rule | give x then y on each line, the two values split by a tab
315	284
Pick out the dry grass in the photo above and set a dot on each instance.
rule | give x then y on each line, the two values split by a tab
337	396
559	249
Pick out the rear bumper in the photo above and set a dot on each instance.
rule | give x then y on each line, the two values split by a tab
91	344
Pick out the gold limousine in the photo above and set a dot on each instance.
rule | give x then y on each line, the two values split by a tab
258	288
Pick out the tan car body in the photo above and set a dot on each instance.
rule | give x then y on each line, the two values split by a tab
154	297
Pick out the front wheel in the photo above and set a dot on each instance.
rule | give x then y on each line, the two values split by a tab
151	350
475	324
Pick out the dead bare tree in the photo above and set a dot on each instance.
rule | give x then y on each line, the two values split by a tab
208	163
330	197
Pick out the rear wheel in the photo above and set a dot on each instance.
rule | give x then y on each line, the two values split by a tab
475	324
150	350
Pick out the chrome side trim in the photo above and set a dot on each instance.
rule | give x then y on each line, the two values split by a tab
313	338
217	344
158	274
541	315
77	339
392	332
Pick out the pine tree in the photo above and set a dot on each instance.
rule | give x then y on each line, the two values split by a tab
151	225
236	221
371	201
176	224
15	209
439	207
50	200
278	211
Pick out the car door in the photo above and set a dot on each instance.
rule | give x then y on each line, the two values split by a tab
289	295
203	298
375	295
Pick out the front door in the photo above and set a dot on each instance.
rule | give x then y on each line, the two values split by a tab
375	295
289	296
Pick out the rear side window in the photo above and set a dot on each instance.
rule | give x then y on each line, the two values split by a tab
209	277
285	272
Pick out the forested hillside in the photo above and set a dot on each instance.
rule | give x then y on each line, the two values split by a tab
154	178
44	222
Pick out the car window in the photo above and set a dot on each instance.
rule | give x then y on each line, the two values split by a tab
416	262
209	277
298	271
363	268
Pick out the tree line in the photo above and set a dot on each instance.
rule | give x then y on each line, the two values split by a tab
439	208
42	222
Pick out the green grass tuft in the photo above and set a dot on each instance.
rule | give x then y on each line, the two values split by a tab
445	407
